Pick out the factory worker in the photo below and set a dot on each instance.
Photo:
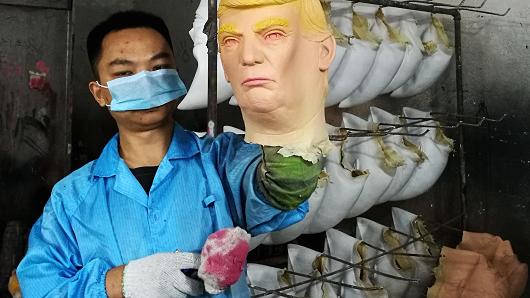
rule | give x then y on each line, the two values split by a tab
132	222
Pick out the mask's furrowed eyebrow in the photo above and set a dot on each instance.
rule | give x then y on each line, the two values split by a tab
228	29
270	22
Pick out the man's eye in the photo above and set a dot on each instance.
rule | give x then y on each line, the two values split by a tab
123	73
275	35
161	66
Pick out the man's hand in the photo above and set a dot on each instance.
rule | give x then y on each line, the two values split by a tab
160	275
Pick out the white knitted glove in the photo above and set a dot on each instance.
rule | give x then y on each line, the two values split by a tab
160	276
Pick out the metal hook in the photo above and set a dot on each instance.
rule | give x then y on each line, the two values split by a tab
350	38
472	6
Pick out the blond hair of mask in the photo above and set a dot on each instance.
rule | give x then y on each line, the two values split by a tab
312	16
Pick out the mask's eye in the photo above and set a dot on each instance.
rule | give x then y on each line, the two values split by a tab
229	42
274	35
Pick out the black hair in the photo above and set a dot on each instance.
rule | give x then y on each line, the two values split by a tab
119	21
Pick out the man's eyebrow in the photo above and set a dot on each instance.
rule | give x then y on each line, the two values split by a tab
120	61
161	55
228	29
270	22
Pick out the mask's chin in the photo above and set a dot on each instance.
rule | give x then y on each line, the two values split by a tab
260	101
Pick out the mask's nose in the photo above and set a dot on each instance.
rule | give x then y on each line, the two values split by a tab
251	54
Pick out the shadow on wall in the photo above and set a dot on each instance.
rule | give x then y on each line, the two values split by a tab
23	189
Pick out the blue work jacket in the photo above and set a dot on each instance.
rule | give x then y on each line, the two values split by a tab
100	217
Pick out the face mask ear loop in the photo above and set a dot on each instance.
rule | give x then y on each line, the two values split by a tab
101	85
107	105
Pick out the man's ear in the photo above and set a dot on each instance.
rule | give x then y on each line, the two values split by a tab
98	93
327	52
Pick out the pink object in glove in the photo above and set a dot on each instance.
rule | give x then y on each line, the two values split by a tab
223	258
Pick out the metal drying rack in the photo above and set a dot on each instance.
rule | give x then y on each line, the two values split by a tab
459	118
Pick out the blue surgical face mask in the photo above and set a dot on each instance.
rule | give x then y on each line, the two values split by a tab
145	90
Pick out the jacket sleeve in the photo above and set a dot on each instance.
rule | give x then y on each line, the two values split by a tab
238	164
52	266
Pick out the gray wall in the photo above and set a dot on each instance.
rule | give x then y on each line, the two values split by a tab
34	119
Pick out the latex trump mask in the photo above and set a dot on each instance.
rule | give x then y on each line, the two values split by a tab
276	54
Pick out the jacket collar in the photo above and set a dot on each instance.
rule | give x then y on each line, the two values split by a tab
183	145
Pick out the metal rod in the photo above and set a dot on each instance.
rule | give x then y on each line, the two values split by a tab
355	265
488	12
401	253
457	125
433	3
212	68
373	133
37	6
459	7
320	278
460	110
425	242
414	255
449	227
267	292
412	6
465	116
68	88
472	6
440	4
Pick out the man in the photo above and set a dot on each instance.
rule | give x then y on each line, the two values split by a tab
132	222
